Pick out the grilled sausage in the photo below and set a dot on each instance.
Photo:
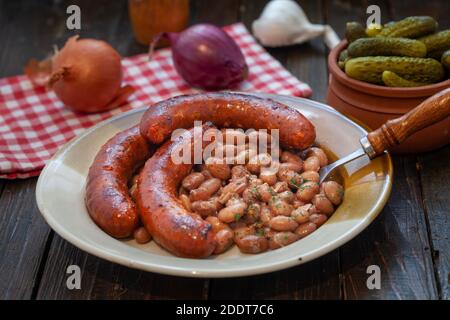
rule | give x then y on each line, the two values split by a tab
179	231
108	200
227	110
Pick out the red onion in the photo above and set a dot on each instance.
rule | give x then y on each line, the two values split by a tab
206	57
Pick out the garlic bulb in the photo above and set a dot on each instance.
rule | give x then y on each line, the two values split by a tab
283	23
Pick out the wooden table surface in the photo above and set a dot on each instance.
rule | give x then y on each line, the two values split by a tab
409	240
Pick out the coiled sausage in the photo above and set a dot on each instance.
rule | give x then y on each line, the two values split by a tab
227	110
108	200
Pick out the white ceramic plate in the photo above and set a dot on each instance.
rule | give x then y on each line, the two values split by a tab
60	198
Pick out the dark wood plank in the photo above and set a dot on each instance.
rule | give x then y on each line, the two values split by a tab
23	240
397	242
102	279
318	279
435	178
220	13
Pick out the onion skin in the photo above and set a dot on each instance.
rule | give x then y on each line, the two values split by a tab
206	57
87	75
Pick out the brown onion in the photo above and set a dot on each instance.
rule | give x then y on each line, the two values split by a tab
87	75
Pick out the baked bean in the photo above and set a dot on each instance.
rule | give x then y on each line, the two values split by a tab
290	157
134	179
280	186
282	239
319	153
311	176
268	175
259	203
243	231
234	200
256	162
295	180
287	196
307	191
218	168
283	223
237	225
183	191
318	219
302	214
205	190
233	212
292	178
254	181
141	235
133	192
290	166
253	213
239	172
206	174
249	196
252	244
216	224
236	186
265	215
186	202
204	207
312	164
334	191
224	240
193	181
279	207
225	197
297	203
305	229
322	204
264	192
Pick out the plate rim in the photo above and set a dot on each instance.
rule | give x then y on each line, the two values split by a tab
177	271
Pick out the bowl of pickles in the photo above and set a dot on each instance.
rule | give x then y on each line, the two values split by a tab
380	72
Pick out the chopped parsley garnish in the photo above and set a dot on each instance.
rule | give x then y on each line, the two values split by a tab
237	217
294	182
260	232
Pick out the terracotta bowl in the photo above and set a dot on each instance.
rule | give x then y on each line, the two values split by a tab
374	105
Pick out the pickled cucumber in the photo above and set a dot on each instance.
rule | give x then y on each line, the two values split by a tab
392	79
383	46
437	43
445	60
354	30
343	57
370	69
373	29
410	27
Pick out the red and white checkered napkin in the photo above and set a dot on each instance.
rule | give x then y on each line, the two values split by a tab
34	123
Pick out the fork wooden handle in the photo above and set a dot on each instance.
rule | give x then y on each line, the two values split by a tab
393	132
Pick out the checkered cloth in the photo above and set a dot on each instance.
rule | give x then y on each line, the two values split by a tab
34	123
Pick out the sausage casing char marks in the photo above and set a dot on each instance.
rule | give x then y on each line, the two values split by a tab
181	232
227	110
107	197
